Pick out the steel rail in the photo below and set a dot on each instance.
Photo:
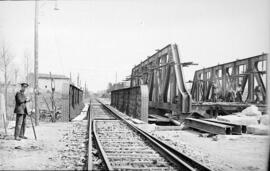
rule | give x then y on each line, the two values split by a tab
182	161
104	155
89	150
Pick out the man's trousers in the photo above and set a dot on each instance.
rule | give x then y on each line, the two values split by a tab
20	125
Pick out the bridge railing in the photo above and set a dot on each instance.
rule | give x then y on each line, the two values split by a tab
132	101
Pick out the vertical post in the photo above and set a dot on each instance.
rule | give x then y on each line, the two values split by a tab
6	87
250	70
78	80
268	87
26	68
3	112
52	98
115	77
85	89
36	63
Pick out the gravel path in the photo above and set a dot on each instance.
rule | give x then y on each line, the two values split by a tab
59	146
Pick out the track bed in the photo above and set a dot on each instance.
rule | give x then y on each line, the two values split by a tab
125	149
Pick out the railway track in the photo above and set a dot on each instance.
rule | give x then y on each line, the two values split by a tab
122	146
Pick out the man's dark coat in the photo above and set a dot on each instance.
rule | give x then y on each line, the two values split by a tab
20	107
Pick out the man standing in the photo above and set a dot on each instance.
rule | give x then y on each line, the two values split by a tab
21	112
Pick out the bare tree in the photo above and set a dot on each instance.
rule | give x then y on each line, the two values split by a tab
16	70
5	61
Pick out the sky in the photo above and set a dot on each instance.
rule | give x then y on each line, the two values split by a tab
103	39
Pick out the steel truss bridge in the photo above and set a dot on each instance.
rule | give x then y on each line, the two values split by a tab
167	92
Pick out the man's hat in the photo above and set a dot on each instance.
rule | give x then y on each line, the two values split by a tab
24	84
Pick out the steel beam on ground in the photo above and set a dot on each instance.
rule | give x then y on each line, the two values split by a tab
164	121
209	127
159	118
236	128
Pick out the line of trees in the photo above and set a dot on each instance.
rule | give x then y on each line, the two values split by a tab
5	60
9	70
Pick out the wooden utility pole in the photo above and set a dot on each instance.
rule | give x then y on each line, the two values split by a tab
85	89
78	80
115	77
268	90
36	63
52	98
27	68
3	112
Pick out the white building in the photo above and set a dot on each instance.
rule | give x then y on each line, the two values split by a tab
45	81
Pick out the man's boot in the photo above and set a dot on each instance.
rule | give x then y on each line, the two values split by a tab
23	137
17	138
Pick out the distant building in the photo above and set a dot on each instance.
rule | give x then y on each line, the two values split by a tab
44	81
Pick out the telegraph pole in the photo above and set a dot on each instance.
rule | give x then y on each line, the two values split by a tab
36	63
78	80
52	98
115	77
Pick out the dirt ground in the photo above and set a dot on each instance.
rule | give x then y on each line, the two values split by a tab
58	146
224	152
